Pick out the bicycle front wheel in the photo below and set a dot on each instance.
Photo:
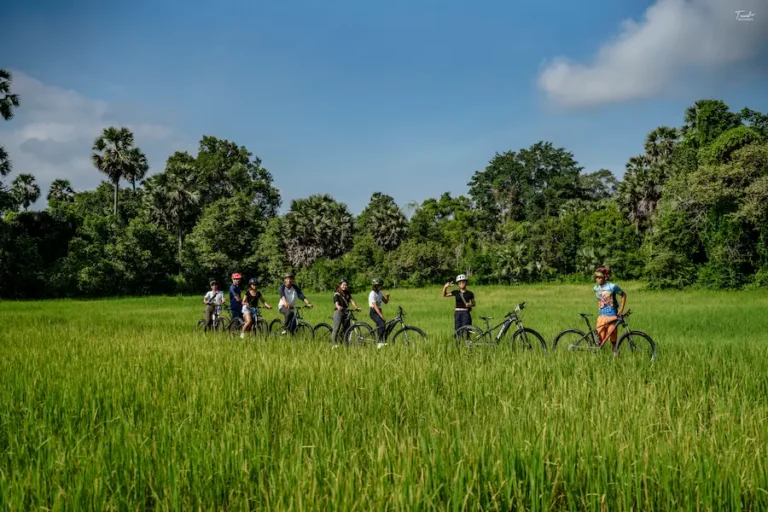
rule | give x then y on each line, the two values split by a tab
410	335
527	339
636	343
303	330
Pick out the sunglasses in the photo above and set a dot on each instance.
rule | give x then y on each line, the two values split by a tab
599	277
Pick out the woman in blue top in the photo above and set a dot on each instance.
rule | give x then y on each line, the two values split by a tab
606	293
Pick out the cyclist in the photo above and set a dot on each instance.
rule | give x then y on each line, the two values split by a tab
375	299
235	304
465	301
250	303
606	293
213	301
341	301
288	294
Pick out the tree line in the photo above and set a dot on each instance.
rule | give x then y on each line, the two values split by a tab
692	210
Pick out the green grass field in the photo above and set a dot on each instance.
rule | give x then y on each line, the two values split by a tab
116	405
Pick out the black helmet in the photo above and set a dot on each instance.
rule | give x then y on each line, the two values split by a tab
343	280
378	282
254	281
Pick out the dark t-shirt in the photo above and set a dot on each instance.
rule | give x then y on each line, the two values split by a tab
234	296
252	301
342	299
469	297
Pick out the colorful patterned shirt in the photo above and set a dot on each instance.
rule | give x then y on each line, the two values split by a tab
606	298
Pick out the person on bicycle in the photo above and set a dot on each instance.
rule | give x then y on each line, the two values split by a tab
289	292
606	293
375	300
250	303
213	301
465	301
235	304
341	301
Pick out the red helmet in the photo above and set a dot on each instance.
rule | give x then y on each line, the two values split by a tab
605	271
237	275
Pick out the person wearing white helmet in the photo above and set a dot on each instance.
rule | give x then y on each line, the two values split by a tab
465	301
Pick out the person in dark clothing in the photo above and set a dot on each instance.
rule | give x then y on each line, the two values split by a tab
341	302
250	303
465	301
235	304
289	292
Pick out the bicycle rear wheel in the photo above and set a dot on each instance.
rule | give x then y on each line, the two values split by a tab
636	343
573	340
360	334
409	335
527	339
323	332
469	336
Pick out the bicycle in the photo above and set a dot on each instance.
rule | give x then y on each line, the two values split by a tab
524	337
362	333
219	322
258	328
323	331
296	328
577	340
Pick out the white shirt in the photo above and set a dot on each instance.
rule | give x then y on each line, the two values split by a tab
290	295
375	298
215	297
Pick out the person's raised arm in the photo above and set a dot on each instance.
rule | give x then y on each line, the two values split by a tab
445	289
385	298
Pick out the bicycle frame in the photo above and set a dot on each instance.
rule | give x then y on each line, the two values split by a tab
593	336
390	326
511	318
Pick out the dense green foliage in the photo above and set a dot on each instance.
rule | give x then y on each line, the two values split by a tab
691	210
115	405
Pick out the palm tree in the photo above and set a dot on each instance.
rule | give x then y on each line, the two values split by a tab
318	227
60	190
138	170
641	189
115	156
173	196
660	144
25	190
388	225
8	102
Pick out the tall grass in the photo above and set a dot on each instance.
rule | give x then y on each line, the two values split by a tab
114	405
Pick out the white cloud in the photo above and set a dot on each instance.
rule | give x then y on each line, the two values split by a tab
675	39
53	130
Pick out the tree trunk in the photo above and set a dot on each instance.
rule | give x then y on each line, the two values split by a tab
179	247
133	184
117	185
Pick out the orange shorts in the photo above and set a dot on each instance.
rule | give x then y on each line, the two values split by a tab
606	330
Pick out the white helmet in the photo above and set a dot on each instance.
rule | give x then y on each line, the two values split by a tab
461	277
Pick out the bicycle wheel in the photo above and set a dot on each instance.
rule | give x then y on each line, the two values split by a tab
259	330
323	332
573	340
360	334
638	343
200	327
410	335
276	327
303	330
469	336
527	339
236	327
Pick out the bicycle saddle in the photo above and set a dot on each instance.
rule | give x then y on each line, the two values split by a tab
585	315
486	317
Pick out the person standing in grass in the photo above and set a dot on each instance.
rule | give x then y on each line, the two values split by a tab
465	301
213	301
289	292
235	304
606	293
341	302
375	300
250	303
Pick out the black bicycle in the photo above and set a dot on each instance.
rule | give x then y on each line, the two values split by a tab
296	328
219	322
631	341
362	334
258	328
521	337
323	331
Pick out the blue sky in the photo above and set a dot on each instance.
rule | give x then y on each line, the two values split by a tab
404	97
